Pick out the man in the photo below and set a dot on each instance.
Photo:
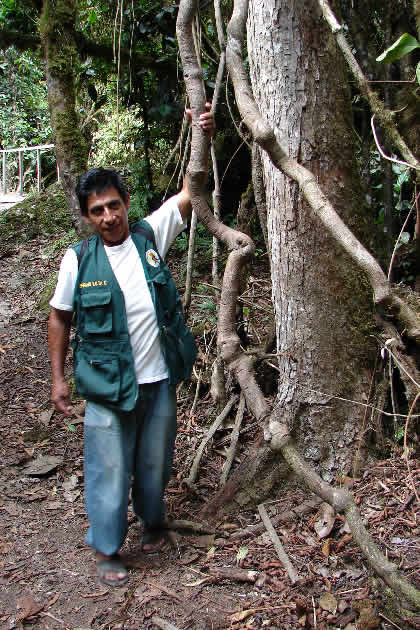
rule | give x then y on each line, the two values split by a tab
130	349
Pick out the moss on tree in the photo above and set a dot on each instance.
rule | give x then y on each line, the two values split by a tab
37	215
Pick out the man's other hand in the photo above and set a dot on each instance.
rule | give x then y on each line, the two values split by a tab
60	397
206	120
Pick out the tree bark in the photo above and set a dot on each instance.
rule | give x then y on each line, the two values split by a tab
322	329
57	34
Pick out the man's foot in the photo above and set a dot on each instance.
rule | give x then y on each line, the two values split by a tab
154	540
111	570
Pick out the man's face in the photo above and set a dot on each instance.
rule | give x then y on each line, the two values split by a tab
107	214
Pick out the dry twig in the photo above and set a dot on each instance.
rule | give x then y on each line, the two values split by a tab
194	468
284	558
234	440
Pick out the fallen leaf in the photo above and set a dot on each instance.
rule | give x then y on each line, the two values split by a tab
211	552
328	602
204	541
326	547
326	520
301	607
244	614
28	606
4	548
70	483
343	542
345	529
52	601
354	573
45	416
192	556
242	554
12	509
71	497
342	605
42	465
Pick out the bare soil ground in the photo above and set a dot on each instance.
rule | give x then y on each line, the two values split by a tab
228	579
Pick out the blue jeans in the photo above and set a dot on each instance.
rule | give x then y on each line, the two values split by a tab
119	446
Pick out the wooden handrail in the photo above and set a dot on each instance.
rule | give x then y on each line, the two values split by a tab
20	150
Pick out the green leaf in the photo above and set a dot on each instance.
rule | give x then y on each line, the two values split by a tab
404	45
92	17
71	427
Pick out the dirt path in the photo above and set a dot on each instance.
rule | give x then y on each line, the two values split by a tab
47	575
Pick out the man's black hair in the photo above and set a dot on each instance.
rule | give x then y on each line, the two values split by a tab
96	180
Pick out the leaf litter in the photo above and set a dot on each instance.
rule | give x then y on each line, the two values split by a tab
47	573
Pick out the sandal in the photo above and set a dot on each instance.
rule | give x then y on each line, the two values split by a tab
111	565
154	540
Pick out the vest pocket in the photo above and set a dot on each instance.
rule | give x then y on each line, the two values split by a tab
98	379
97	312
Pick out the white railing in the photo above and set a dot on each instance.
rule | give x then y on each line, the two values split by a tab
19	151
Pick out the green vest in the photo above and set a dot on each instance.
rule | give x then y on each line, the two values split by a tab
103	361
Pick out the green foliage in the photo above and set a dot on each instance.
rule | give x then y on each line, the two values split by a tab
113	144
60	244
208	310
24	114
403	46
142	196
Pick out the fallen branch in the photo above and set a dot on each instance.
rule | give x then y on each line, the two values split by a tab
305	508
342	502
284	558
194	405
196	463
234	440
230	573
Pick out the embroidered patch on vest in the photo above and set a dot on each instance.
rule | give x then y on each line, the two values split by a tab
152	258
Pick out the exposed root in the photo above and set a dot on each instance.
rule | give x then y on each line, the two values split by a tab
275	432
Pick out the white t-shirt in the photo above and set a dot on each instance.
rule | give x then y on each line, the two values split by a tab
125	261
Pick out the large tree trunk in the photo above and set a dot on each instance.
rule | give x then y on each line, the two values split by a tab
60	51
318	294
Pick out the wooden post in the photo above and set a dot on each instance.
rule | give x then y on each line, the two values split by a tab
20	189
38	170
